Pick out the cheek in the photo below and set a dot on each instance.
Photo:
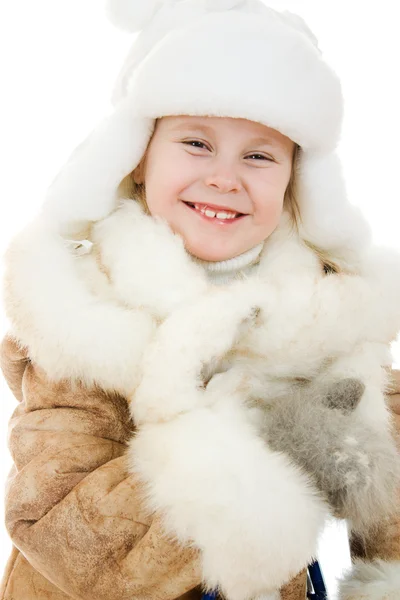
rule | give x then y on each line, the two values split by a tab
166	178
270	215
269	201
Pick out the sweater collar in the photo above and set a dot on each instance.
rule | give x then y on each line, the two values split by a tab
226	270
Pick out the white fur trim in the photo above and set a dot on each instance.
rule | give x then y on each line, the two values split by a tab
212	325
328	220
377	580
169	279
237	501
70	332
86	187
54	299
181	76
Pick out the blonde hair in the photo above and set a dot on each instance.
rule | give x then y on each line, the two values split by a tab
128	188
291	205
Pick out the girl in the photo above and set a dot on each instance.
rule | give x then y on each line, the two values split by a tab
109	305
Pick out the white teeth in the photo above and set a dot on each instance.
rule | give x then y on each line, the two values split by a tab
211	213
222	215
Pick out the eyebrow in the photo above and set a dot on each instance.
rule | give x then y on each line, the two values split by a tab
193	127
189	125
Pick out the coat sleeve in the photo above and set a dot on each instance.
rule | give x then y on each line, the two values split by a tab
72	508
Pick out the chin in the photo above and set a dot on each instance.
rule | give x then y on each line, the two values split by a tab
210	254
211	257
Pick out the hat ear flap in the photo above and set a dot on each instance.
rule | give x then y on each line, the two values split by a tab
328	220
86	188
132	15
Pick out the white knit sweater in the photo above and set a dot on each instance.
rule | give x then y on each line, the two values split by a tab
225	271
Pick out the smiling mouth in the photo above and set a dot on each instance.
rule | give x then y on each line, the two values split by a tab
211	212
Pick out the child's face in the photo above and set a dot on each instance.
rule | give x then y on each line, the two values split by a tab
198	167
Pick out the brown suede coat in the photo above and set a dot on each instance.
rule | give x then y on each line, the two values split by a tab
75	515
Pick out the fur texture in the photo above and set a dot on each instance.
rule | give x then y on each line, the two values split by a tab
307	108
357	469
378	580
238	501
182	357
85	190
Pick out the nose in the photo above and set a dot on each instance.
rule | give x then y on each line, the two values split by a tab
224	180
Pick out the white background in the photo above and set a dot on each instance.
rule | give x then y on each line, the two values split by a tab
59	60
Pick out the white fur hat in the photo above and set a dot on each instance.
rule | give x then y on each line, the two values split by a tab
231	58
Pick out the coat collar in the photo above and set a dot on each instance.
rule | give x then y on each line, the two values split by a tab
91	316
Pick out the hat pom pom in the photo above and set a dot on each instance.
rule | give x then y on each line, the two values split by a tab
131	15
